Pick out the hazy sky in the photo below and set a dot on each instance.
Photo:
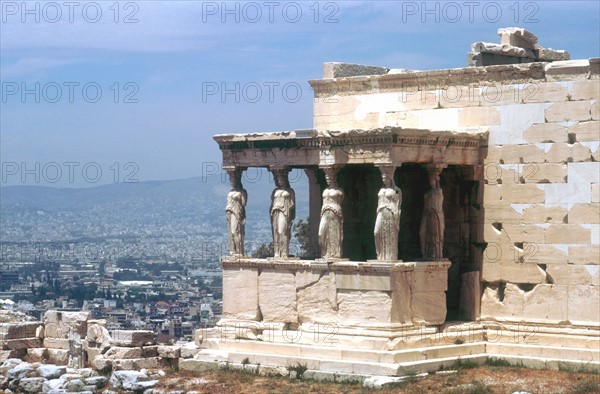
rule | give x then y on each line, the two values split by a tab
133	90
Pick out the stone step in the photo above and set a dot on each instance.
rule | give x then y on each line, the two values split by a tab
551	352
353	338
550	363
349	354
203	361
437	352
208	362
437	364
425	366
323	364
444	357
531	336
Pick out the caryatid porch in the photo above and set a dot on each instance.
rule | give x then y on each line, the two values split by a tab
378	229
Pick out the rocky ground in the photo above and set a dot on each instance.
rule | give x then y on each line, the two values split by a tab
24	377
465	380
50	356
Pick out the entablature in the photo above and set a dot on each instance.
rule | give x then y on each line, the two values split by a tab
304	148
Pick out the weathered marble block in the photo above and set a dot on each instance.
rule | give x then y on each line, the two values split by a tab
240	293
59	324
546	302
277	295
428	292
317	296
22	343
429	307
583	304
401	296
363	281
18	330
132	338
364	307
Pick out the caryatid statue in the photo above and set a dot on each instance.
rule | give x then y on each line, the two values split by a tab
236	212
432	228
387	222
332	221
283	212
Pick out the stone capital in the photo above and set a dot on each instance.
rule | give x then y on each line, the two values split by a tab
232	170
435	166
388	169
331	173
435	169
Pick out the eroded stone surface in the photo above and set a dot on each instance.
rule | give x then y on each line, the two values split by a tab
132	337
58	324
277	296
364	307
242	299
317	296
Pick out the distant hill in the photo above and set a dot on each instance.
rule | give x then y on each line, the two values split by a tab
135	205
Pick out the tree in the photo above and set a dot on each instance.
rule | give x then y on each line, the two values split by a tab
265	250
302	234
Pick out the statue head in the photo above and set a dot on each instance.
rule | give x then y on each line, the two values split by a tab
434	171
433	182
280	177
387	176
330	175
235	178
434	179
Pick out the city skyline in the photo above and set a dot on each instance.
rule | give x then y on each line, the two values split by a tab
136	90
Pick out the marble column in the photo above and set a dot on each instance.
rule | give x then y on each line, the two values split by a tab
331	226
314	211
283	212
432	229
236	211
387	222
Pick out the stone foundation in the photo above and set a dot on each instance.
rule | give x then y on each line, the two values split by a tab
327	349
373	294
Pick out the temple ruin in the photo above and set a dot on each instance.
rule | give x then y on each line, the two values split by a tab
459	204
453	215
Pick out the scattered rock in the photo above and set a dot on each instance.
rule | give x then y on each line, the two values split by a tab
19	371
126	379
377	382
132	337
53	385
141	386
11	363
31	385
58	356
50	371
102	364
98	381
120	352
75	385
169	351
37	354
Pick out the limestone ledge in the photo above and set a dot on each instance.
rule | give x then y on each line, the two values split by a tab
330	138
387	330
434	79
376	145
541	327
333	264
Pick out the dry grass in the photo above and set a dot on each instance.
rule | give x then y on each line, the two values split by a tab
478	380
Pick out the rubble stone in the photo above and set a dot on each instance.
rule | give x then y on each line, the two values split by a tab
132	338
31	385
50	371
